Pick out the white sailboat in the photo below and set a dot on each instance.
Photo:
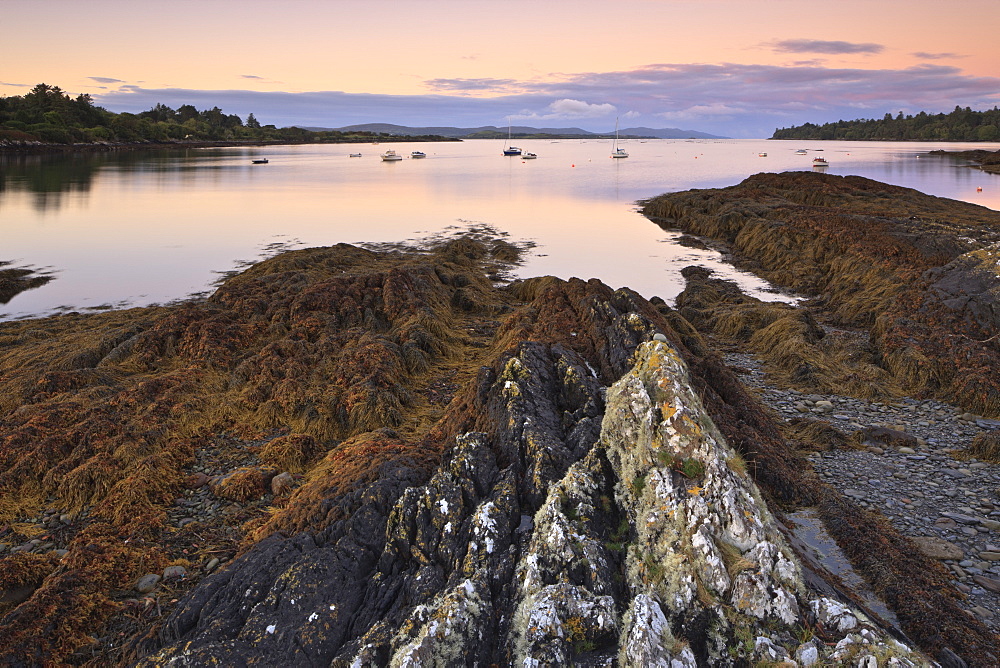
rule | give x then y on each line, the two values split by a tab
510	150
617	151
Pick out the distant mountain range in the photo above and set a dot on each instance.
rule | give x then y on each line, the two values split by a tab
519	131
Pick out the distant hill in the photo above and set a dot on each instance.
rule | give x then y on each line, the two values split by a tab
518	131
668	133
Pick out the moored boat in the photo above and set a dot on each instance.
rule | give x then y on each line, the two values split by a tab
259	161
820	162
800	151
617	151
528	155
355	155
391	156
418	154
762	154
510	150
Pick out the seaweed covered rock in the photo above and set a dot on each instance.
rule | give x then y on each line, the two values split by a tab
353	466
15	280
918	272
796	349
625	560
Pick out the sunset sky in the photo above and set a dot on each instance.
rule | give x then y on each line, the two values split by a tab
728	67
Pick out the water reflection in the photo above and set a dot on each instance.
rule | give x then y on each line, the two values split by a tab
48	177
140	227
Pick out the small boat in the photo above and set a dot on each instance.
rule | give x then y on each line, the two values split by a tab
801	151
617	151
259	161
355	155
418	154
391	156
528	155
762	155
510	150
820	162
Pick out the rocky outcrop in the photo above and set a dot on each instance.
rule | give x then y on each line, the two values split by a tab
461	571
988	161
347	457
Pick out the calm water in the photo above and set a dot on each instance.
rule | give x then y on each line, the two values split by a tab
151	227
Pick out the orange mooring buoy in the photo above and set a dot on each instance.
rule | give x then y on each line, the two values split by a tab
979	189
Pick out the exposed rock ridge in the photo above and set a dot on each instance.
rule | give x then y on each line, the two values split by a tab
709	559
466	578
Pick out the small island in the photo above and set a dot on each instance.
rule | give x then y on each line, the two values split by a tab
987	161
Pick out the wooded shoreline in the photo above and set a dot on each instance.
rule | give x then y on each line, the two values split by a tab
100	147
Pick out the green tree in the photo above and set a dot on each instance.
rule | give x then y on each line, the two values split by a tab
186	112
987	133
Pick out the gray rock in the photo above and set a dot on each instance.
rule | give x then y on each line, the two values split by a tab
990	584
147	583
938	548
282	483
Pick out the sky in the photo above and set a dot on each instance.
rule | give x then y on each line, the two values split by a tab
737	68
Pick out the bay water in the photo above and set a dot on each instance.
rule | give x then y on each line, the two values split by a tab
131	228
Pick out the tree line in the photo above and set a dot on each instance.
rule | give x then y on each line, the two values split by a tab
48	115
959	125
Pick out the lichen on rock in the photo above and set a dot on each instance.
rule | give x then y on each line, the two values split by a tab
708	564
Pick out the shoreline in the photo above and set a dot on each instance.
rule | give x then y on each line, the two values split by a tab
986	161
34	148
